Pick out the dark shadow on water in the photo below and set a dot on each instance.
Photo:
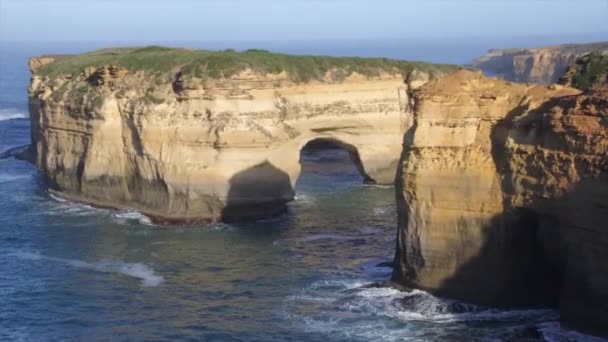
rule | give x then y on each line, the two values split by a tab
263	191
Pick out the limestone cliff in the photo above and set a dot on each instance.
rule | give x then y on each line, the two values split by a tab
186	135
540	65
502	196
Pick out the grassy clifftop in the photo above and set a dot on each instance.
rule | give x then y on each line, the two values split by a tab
216	64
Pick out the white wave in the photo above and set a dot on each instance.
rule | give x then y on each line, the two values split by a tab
420	305
126	216
304	198
12	113
62	206
7	178
554	332
320	237
58	199
135	270
371	313
379	211
380	186
343	284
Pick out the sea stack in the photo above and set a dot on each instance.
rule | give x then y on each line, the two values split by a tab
196	136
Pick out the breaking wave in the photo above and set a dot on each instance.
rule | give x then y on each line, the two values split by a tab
375	313
140	271
61	206
7	178
127	216
12	113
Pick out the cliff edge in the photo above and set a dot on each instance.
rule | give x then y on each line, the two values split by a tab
540	65
192	135
502	196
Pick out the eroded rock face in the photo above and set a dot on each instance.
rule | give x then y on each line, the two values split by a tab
542	65
185	149
502	196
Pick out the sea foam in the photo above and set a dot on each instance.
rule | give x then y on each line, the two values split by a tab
140	271
62	206
7	178
412	316
126	216
12	113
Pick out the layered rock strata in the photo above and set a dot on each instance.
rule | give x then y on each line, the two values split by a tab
184	146
502	196
540	65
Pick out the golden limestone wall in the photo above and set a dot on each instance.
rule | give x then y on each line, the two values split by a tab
198	150
502	196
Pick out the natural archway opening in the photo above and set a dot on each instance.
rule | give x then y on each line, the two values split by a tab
331	163
337	217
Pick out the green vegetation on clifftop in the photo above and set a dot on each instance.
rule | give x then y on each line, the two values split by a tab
217	64
587	71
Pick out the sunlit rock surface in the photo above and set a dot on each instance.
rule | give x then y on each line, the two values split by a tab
502	196
216	137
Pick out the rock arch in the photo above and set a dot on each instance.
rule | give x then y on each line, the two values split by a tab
217	156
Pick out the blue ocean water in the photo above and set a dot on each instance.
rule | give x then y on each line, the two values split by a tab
72	272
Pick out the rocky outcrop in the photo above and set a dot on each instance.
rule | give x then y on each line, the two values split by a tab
502	196
541	65
586	72
189	142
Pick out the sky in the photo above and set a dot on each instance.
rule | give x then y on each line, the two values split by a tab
195	20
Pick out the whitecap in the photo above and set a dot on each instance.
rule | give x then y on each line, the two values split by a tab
135	270
304	198
361	312
58	199
8	178
320	237
62	206
130	215
379	211
380	186
12	113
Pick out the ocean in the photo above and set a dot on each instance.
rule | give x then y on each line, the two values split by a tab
69	271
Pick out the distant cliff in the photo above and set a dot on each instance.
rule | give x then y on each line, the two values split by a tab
540	65
191	135
502	196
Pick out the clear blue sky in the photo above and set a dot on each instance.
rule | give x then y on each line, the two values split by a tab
190	20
